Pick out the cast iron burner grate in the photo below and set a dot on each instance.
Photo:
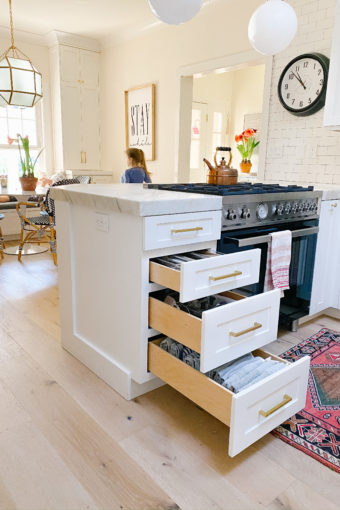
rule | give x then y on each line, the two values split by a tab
233	189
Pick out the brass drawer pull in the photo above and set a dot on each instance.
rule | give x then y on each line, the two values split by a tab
286	399
216	278
257	325
179	231
335	205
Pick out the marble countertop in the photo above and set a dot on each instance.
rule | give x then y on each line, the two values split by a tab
134	199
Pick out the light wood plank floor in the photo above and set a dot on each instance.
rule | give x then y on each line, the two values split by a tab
68	441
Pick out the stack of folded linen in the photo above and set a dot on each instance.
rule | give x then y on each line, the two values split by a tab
241	373
236	375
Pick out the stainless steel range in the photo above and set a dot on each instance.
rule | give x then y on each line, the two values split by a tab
251	212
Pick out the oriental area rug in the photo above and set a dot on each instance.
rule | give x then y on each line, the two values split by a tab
316	429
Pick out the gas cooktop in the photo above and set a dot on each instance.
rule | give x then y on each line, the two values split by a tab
242	188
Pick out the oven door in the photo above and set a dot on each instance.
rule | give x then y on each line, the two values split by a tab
296	300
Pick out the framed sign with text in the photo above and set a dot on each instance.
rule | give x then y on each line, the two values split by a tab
140	119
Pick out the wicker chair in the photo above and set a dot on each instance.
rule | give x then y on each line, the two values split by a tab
41	228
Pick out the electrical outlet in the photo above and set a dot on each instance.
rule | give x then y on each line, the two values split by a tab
102	222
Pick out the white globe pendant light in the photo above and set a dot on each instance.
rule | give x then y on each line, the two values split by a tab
272	27
20	81
174	12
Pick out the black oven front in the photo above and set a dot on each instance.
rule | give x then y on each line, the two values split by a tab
296	301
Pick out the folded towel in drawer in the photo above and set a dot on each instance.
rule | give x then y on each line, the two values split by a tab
235	375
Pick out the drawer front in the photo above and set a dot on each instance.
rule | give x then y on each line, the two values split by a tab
181	229
232	330
224	333
259	409
204	277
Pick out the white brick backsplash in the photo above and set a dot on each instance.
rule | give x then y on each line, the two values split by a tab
301	149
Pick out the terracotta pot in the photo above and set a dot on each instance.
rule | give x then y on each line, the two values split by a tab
28	183
245	166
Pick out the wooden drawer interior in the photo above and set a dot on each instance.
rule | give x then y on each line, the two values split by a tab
193	384
167	276
179	324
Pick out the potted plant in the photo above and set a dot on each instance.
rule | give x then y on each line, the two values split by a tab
28	180
246	144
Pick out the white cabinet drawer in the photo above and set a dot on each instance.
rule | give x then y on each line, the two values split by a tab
224	333
251	413
179	229
208	276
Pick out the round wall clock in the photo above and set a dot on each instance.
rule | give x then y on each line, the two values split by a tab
303	83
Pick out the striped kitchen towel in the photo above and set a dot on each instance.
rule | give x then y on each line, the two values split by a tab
278	261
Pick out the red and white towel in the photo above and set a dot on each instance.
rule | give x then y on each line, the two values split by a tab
278	261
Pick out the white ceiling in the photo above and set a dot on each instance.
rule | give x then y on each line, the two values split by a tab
98	19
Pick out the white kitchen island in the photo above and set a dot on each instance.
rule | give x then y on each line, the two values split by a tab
107	239
104	271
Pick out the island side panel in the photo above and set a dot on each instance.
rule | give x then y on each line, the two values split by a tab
104	291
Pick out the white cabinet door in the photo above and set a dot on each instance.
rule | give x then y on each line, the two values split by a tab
89	69
90	128
71	126
69	65
326	279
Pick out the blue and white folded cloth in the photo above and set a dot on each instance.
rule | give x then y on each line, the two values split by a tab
236	375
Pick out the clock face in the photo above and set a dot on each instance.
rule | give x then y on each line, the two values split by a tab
303	83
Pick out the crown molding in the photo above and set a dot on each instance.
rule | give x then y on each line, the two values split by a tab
57	37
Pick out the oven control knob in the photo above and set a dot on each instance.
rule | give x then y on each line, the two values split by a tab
231	214
294	208
279	209
300	207
288	208
306	207
245	213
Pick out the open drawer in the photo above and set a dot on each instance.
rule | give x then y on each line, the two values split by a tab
210	275
224	333
251	413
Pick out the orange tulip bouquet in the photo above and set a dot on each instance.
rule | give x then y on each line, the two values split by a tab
246	144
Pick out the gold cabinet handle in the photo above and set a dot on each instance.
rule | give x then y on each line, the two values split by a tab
257	325
179	231
223	277
85	158
81	157
335	205
286	399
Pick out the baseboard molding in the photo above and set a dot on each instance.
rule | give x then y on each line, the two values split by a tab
334	313
108	369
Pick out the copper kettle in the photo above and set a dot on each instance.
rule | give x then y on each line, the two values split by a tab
222	173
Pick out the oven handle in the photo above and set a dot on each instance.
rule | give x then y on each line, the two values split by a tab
252	241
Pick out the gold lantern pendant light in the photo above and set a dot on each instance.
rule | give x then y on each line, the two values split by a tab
20	81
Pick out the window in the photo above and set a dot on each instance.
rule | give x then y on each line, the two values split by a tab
14	120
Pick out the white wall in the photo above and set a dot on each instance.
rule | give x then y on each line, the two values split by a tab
248	86
157	57
241	92
299	149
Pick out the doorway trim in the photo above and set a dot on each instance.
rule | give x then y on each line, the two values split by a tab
186	76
